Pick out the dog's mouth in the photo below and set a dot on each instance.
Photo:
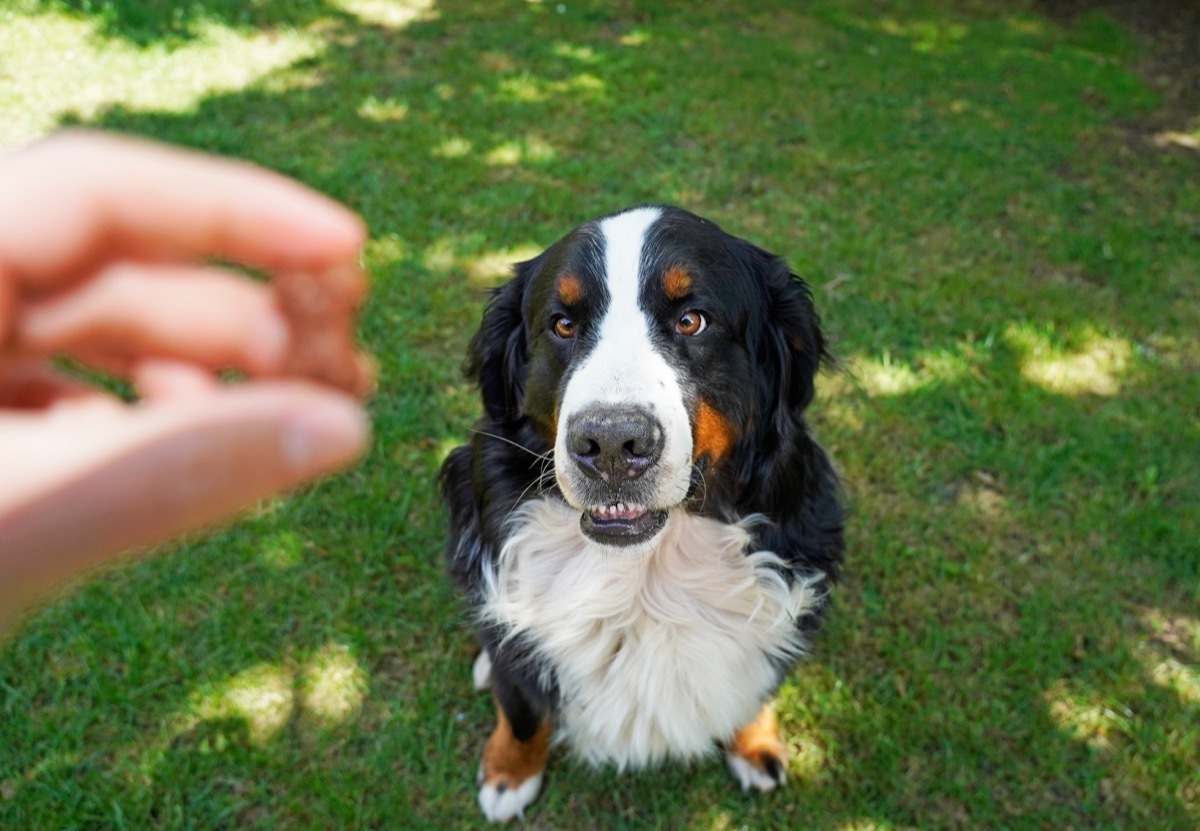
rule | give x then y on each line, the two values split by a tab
622	524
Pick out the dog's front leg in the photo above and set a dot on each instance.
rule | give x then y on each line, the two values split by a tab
756	754
510	773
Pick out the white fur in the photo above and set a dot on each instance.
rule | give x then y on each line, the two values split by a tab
481	671
750	777
657	655
624	366
501	806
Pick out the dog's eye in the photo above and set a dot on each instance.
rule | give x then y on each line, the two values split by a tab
691	323
564	327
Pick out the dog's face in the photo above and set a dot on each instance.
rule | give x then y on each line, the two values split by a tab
651	351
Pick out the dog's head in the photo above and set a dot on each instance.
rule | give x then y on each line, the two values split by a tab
665	362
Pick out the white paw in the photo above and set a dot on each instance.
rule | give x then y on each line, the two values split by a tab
751	777
481	672
501	803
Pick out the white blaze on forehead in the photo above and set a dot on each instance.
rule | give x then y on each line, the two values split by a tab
624	367
624	241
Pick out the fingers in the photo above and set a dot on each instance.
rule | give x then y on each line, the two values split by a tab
8	306
171	380
182	313
78	491
33	385
89	198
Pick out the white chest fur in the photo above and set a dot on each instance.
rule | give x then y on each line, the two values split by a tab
655	654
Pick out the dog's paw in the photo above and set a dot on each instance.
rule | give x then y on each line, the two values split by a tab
502	799
481	671
763	772
757	756
510	774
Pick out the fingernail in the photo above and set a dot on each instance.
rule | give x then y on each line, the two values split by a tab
330	433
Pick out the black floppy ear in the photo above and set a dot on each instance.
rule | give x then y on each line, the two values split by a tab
793	347
499	352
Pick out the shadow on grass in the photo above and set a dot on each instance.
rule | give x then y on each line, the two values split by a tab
151	22
1020	554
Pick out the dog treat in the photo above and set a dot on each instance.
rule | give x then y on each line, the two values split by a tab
321	310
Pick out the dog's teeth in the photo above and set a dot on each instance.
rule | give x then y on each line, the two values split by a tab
618	510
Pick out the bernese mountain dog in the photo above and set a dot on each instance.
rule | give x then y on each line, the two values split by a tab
642	524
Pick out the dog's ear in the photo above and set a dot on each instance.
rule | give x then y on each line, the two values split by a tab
499	352
792	346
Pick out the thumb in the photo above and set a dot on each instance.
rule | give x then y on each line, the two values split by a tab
151	472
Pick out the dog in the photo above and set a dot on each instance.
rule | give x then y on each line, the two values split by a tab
642	524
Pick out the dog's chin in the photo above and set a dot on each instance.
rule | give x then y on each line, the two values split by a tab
622	526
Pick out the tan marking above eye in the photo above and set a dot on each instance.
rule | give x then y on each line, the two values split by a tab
691	323
677	283
570	289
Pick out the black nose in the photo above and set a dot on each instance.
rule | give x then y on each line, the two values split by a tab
614	444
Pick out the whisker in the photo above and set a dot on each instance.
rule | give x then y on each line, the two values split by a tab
537	483
541	483
702	486
549	454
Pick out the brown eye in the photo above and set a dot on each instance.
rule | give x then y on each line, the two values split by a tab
691	323
564	327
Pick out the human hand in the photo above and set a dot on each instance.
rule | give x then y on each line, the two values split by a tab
103	243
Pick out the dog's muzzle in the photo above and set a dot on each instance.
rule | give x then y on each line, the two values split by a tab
613	447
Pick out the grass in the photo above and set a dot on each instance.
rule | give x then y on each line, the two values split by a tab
1007	264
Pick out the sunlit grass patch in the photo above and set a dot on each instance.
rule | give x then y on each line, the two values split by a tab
323	692
332	686
1096	723
1091	364
1182	679
888	376
376	109
532	149
93	73
883	376
392	14
494	267
262	696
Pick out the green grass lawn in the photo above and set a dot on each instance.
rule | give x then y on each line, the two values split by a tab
1007	261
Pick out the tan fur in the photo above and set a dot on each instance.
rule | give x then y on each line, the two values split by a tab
510	762
760	740
677	283
570	290
714	434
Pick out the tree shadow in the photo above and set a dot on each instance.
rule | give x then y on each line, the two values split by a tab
995	619
158	22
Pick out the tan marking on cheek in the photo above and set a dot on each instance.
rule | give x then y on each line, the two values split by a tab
759	742
677	283
570	290
714	434
550	431
509	761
